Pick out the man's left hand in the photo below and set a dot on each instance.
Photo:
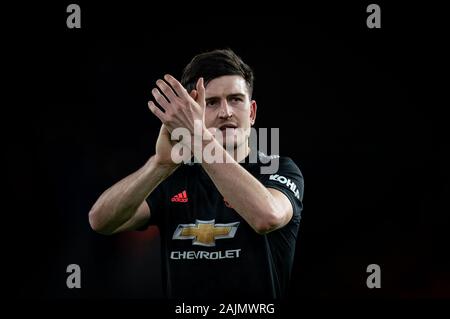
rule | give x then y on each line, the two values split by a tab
181	109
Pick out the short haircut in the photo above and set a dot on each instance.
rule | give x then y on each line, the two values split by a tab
214	64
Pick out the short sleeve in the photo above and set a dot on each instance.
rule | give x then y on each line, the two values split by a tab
289	180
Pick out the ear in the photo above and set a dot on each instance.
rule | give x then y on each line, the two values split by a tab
253	108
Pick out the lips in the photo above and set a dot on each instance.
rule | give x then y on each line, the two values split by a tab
227	125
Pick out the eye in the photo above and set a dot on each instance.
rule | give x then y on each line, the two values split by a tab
211	103
236	99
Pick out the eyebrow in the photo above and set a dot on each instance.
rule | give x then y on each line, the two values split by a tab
228	96
236	95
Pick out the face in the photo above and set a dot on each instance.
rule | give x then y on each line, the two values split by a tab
228	105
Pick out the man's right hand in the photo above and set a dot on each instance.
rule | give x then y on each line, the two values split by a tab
164	143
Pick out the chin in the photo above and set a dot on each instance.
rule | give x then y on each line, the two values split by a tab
233	145
230	146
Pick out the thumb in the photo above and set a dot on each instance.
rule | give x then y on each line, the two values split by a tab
164	130
201	92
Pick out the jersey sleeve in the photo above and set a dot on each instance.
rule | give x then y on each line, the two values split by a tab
289	180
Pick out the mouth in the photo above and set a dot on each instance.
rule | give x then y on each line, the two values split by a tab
223	127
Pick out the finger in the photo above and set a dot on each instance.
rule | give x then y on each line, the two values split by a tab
155	110
167	90
161	99
201	92
176	86
193	94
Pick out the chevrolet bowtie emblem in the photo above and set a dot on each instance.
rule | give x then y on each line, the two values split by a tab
204	233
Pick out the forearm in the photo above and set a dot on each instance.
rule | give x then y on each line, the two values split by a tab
119	202
248	197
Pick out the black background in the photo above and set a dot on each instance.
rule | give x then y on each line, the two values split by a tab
356	108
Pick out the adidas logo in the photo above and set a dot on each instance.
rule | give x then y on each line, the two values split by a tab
180	197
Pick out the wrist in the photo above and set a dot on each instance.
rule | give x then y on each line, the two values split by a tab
163	165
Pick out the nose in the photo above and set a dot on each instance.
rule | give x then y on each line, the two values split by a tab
225	111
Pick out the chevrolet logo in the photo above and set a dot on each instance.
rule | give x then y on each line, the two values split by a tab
204	233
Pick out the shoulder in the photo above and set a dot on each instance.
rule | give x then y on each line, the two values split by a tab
282	173
276	164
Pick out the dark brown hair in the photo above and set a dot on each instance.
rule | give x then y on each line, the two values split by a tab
214	64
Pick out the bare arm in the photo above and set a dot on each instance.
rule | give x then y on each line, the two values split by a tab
122	206
265	209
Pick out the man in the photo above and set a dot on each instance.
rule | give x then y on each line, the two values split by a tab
227	230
